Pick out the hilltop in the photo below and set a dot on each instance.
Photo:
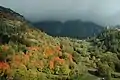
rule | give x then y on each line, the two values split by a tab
27	53
10	14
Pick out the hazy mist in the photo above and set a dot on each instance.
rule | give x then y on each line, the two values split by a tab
104	12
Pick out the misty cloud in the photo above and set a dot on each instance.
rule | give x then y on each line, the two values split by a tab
104	12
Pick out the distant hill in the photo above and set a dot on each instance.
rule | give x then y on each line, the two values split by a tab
73	28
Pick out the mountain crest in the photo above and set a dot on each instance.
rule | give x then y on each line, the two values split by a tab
6	13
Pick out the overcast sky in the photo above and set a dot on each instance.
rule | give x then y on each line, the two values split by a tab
104	12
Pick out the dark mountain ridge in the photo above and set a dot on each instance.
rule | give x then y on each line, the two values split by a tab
71	28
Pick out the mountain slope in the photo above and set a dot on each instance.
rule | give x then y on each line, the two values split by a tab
73	29
26	53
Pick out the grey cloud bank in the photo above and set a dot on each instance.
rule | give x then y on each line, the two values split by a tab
104	12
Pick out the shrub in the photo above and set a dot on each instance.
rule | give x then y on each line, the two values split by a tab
104	70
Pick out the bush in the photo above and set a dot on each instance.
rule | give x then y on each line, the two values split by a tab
104	70
76	57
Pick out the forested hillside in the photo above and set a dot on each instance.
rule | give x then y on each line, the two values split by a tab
27	53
